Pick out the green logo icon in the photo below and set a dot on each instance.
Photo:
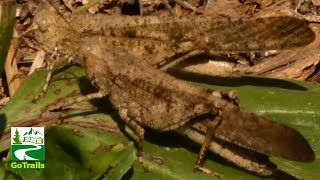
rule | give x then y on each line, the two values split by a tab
27	144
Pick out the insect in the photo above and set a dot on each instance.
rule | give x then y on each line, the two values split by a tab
147	97
166	41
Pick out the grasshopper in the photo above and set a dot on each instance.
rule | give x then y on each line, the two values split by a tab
159	40
146	97
166	41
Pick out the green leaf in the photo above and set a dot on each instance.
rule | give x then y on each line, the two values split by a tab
87	143
7	22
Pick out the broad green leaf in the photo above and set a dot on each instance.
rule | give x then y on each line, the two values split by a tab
293	103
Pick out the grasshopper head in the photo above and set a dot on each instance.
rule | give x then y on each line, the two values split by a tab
54	33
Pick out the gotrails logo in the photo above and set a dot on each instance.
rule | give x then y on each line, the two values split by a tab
27	147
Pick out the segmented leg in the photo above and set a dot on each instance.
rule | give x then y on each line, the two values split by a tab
187	5
45	87
140	7
138	130
73	100
167	5
244	158
180	59
211	127
54	56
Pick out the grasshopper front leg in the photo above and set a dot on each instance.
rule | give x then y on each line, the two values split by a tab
74	100
45	87
57	38
133	125
50	67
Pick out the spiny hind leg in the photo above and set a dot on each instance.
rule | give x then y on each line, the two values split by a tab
181	59
211	127
138	130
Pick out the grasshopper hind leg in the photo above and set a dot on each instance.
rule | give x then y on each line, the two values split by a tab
166	66
138	130
205	146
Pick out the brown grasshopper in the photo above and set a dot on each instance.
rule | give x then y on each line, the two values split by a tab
166	41
163	39
147	97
